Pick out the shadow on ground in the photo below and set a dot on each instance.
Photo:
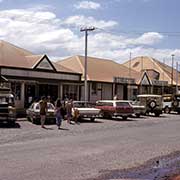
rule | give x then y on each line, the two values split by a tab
8	126
89	121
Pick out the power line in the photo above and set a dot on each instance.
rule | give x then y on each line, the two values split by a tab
136	32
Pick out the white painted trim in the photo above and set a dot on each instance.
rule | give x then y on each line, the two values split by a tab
36	74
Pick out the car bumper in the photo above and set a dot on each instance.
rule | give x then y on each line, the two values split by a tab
7	118
89	115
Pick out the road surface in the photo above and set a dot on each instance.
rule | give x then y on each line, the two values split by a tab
84	151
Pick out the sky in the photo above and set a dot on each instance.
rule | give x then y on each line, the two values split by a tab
122	27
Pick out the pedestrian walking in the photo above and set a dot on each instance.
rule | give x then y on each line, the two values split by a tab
43	109
68	107
58	113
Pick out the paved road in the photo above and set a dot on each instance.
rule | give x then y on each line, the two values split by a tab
84	151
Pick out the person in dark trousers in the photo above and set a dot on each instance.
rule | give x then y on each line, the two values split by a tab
58	113
43	110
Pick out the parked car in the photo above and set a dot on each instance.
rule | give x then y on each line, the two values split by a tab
116	108
171	103
153	103
138	109
85	110
33	113
7	108
167	103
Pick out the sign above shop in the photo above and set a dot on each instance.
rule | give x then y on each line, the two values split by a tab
123	80
159	83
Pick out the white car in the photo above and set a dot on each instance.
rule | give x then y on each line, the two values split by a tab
85	110
33	113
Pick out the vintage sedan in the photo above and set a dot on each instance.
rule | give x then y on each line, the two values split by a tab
84	109
33	113
115	108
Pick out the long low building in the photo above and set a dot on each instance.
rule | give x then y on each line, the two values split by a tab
32	76
158	77
105	77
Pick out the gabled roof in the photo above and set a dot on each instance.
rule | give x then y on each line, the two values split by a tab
145	80
103	70
146	63
44	63
13	56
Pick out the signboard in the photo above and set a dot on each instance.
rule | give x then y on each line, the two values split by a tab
124	80
159	83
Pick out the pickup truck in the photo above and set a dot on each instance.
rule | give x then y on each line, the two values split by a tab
84	109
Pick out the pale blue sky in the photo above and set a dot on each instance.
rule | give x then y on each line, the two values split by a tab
143	27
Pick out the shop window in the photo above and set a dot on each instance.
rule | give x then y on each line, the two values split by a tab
16	90
70	92
94	88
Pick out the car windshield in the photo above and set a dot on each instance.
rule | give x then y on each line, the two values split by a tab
49	106
167	98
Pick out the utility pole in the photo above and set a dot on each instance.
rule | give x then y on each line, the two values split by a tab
86	29
164	63
141	86
130	58
172	71
177	78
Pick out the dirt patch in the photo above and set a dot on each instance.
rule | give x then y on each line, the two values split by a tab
160	168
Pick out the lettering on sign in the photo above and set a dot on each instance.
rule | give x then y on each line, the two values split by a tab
159	83
123	80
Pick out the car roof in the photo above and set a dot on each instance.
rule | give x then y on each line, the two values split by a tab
149	95
81	102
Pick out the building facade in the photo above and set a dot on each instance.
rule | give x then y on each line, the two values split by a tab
106	78
32	76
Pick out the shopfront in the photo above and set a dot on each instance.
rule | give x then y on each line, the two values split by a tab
28	85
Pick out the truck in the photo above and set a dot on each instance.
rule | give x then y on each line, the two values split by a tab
7	106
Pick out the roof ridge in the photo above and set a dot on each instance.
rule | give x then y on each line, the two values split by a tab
82	67
17	47
154	61
60	65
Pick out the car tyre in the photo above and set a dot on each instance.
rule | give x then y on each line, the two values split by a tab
124	117
11	123
106	115
138	115
167	110
92	119
33	121
175	103
157	114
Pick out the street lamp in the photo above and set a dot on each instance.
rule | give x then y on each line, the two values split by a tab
86	29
